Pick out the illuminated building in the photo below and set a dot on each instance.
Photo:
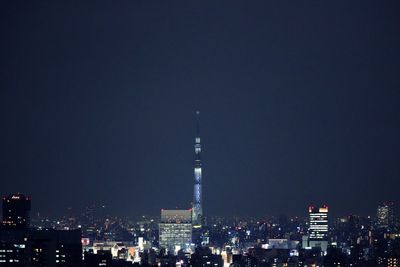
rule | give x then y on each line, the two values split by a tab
14	235
197	194
16	209
318	227
175	230
385	214
390	261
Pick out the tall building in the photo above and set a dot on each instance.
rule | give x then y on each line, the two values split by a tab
318	227
197	209
385	214
16	209
175	230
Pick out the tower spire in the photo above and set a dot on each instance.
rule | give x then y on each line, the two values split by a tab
197	123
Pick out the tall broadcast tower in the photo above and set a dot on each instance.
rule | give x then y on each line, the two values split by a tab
197	210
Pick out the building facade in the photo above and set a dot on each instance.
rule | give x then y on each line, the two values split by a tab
175	230
318	227
385	215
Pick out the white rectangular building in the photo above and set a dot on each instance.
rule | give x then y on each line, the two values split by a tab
175	230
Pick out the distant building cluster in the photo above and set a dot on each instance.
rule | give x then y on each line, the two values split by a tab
94	238
185	237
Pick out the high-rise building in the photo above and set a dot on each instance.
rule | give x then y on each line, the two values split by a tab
175	230
16	209
385	214
197	209
318	227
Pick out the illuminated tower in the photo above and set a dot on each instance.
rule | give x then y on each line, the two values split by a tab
197	210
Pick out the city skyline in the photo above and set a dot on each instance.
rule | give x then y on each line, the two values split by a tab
299	105
93	239
106	160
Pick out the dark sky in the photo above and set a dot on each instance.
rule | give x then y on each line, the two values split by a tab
299	104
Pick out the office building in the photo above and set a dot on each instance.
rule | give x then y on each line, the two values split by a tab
318	227
14	232
16	210
385	215
175	230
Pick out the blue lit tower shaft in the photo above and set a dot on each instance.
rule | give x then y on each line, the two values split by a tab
197	210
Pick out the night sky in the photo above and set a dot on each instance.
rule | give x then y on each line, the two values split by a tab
299	104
